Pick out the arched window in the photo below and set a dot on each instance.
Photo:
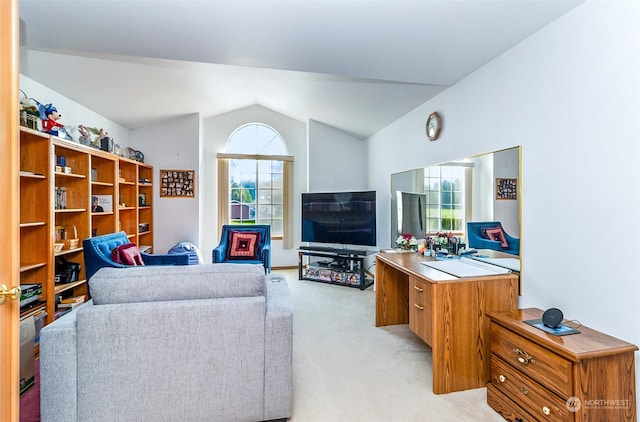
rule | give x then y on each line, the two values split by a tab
255	171
256	138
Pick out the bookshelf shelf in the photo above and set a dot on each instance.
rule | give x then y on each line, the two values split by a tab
29	267
33	224
60	288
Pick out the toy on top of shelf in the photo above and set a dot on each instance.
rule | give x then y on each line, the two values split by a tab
85	135
131	153
50	116
102	141
29	113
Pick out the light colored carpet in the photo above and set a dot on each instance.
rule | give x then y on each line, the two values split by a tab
347	369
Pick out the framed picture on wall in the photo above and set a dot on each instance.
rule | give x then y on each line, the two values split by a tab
177	183
506	188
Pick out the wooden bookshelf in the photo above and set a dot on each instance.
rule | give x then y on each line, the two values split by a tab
58	179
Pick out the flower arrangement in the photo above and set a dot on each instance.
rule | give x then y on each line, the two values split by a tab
442	239
407	242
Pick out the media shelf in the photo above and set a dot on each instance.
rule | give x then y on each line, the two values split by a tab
344	267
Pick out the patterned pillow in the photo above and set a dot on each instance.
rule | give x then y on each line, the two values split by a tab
484	232
496	233
243	245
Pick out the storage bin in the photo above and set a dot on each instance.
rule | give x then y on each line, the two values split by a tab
66	271
63	237
71	243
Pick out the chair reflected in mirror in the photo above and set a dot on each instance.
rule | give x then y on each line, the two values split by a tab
491	235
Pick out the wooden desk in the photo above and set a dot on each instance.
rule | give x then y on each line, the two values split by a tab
447	312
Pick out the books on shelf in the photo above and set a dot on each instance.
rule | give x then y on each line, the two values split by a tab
60	198
71	302
30	293
104	203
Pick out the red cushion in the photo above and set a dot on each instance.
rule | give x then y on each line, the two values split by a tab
496	233
243	245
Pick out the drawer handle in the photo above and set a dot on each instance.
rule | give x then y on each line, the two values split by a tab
502	378
523	357
418	289
546	410
418	306
524	389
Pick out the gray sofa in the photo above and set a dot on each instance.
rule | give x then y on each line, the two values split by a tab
188	343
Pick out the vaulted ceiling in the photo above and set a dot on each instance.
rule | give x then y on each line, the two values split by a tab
357	65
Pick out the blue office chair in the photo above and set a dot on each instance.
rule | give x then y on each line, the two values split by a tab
476	239
97	254
223	253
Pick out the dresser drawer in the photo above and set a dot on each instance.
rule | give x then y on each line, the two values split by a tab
542	365
421	309
506	407
541	403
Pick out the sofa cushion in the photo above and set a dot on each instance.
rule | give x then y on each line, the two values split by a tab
243	245
197	360
170	283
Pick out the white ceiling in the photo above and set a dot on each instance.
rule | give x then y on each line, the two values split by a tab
357	65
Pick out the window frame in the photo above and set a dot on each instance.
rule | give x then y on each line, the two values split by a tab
466	195
224	196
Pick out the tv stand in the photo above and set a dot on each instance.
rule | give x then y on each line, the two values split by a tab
336	266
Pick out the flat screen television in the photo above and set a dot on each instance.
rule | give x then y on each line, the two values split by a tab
345	218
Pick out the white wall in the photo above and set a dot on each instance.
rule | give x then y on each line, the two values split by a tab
570	95
216	132
72	113
337	160
173	145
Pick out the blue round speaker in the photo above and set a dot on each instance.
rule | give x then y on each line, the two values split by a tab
552	317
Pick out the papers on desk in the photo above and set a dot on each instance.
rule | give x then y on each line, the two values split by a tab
466	267
512	263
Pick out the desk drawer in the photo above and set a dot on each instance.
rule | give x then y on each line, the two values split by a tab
532	397
544	366
421	309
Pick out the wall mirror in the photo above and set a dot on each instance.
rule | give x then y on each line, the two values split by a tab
444	197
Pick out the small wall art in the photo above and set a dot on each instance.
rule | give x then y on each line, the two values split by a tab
177	183
506	188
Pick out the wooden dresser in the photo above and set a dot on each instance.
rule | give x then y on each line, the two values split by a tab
579	377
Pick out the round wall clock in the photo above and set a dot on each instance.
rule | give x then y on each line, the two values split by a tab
434	126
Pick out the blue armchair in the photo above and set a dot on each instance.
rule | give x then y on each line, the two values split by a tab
263	253
476	239
97	254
